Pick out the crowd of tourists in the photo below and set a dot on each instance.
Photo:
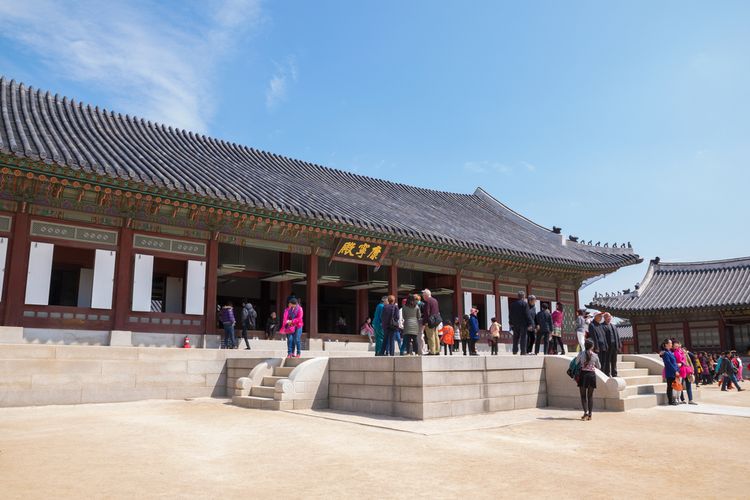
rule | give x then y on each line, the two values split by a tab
415	327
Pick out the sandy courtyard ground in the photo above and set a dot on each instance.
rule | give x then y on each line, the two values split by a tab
209	449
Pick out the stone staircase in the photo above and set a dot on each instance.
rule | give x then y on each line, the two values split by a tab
275	385
642	390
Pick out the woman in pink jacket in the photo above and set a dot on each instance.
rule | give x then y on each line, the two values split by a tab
686	369
291	326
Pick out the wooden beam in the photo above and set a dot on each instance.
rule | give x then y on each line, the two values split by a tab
123	279
312	295
212	270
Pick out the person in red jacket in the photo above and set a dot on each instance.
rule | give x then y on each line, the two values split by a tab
446	339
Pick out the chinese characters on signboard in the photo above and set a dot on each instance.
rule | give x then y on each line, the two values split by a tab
360	252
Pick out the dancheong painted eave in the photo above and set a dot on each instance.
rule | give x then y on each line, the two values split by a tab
683	286
53	134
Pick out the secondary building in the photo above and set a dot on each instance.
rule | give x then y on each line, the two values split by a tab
704	304
113	223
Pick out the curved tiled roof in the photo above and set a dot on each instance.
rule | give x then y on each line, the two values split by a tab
39	126
685	285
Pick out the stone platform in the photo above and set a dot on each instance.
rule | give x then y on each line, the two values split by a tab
441	386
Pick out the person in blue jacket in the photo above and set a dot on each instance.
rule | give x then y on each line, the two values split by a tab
377	326
473	332
670	368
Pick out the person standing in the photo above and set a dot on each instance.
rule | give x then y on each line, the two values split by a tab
671	370
272	326
378	325
519	323
465	334
581	327
597	336
531	312
494	336
558	315
614	345
389	323
446	335
589	362
687	371
473	332
227	322
412	320
291	326
729	370
431	319
544	329
456	334
248	321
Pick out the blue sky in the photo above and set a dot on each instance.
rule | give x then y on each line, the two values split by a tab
618	121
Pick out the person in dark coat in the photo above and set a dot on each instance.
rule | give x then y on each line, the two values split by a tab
544	329
272	326
614	346
519	323
531	334
598	337
389	322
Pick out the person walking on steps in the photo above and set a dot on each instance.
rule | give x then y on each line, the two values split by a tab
589	362
248	321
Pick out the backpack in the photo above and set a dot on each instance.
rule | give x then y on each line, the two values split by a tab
574	369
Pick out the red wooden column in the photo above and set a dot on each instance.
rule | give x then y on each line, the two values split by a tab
362	305
123	279
312	295
393	279
458	295
636	344
17	266
212	282
722	334
686	334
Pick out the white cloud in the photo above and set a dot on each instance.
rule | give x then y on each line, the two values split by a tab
528	166
155	61
278	85
484	167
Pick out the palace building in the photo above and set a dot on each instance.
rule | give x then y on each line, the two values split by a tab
113	223
706	305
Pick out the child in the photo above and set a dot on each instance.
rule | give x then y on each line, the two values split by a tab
465	333
494	336
447	339
456	334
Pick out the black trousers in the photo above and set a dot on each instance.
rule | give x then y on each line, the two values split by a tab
604	358
554	341
541	338
493	345
472	347
519	341
464	345
411	345
531	336
611	355
670	395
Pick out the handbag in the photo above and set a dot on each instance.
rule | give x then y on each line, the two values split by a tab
691	378
676	385
434	320
574	369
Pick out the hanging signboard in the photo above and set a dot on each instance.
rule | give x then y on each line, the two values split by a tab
360	252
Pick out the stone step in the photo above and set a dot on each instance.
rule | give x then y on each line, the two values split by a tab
265	392
282	371
643	380
631	372
260	403
294	361
636	390
643	401
271	381
625	365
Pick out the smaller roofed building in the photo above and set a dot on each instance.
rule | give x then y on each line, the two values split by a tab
704	304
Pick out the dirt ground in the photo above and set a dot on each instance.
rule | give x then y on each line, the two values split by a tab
209	449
